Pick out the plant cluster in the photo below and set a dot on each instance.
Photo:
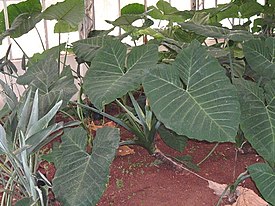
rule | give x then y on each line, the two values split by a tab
187	89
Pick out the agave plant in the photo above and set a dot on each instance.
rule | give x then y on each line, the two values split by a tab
21	137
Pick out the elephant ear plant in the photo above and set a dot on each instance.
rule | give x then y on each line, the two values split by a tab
192	97
257	107
28	127
28	123
24	16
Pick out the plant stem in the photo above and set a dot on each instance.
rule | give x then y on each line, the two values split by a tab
66	54
5	73
208	155
40	38
63	112
118	121
179	167
222	195
21	48
235	164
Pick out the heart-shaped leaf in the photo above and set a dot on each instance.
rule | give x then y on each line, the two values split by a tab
260	55
69	13
113	73
82	178
217	32
258	119
23	17
193	97
86	49
43	75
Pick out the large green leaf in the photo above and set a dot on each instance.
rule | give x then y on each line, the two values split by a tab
249	9
223	11
68	13
134	8
63	27
126	19
21	25
43	75
193	97
217	32
30	7
264	177
22	18
86	49
260	55
258	119
166	8
113	73
54	51
82	178
164	11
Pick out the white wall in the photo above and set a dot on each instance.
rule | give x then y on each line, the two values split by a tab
34	46
104	10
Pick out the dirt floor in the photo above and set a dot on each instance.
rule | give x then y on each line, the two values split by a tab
138	179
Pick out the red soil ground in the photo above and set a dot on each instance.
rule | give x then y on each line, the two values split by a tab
138	180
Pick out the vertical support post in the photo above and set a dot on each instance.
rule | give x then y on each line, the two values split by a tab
45	27
88	21
119	14
198	5
145	40
7	25
193	4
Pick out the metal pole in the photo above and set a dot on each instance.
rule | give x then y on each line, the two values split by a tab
7	25
145	40
193	4
119	14
88	21
45	27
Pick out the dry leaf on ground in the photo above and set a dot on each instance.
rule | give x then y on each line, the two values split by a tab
248	197
217	187
125	150
94	127
245	196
